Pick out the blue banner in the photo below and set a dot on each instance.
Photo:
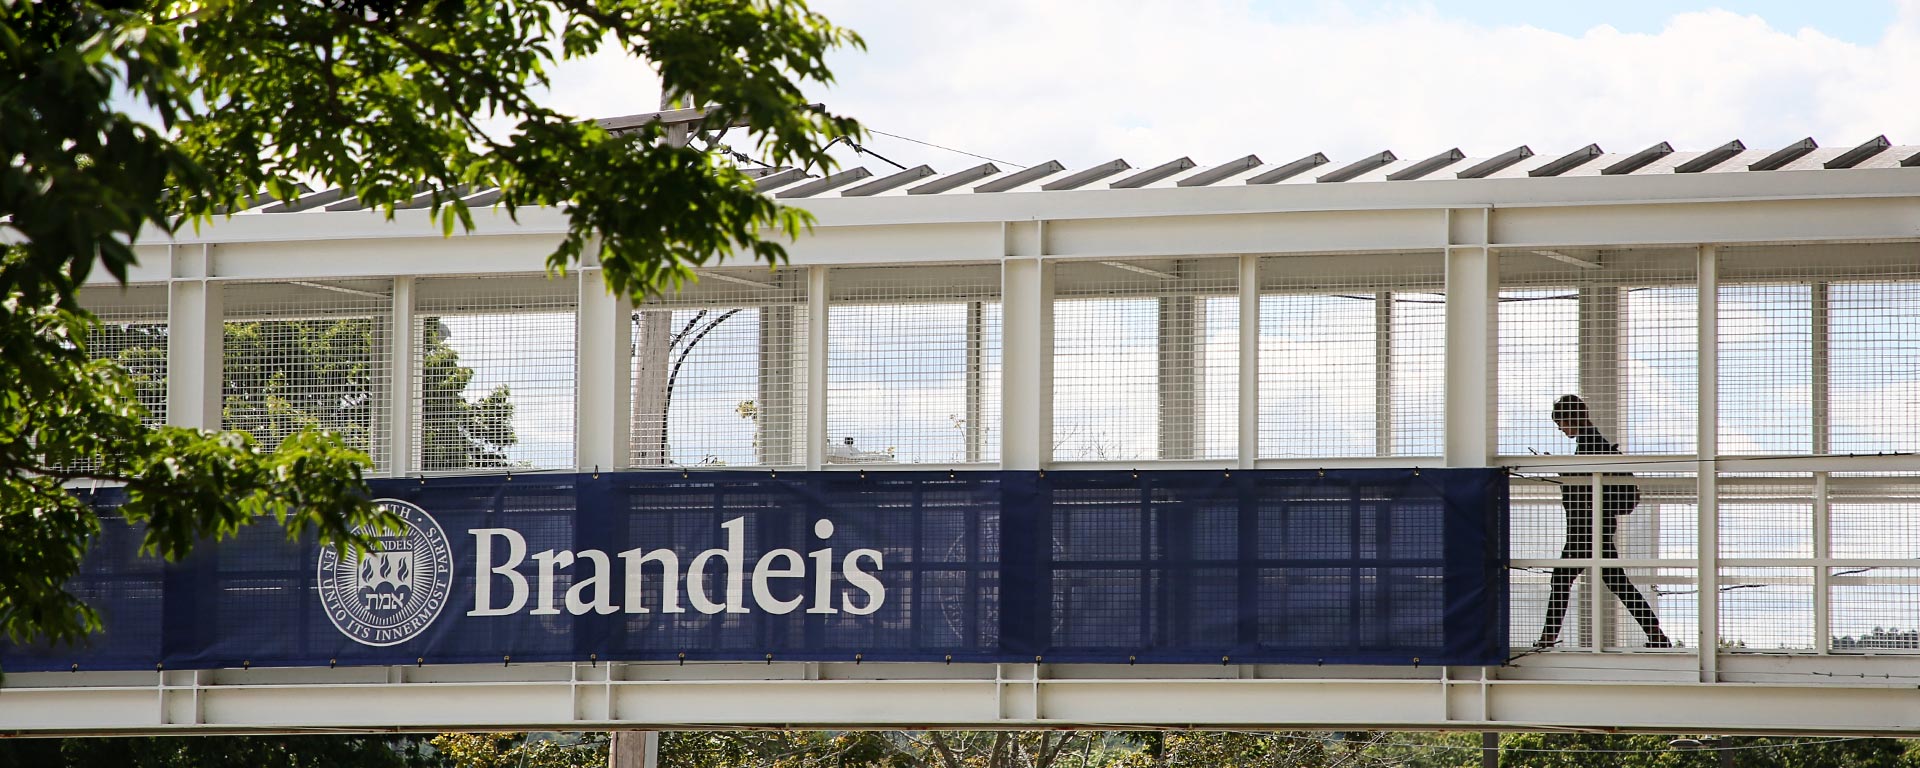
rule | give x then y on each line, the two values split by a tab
1399	567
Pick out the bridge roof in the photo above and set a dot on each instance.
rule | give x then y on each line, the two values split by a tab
1374	173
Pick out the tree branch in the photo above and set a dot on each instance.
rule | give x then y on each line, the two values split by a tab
946	752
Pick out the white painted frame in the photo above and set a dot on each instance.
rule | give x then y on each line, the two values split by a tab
1026	233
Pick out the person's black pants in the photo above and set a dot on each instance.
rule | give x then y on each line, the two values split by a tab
1580	545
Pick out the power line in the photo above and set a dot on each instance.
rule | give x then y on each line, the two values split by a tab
937	146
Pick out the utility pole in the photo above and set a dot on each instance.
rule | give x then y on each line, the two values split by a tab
641	749
634	749
653	348
1490	749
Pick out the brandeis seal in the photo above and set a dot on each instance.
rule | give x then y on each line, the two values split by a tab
389	595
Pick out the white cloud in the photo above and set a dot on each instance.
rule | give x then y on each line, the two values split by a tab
1085	81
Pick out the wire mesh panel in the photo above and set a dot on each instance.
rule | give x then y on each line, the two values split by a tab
1766	609
1874	516
305	355
1673	595
1766	366
133	334
494	372
1817	352
1873	327
1352	355
913	364
1824	355
1873	607
1145	360
1646	517
1619	328
1874	610
1766	516
720	372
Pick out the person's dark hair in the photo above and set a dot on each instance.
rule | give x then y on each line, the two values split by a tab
1570	409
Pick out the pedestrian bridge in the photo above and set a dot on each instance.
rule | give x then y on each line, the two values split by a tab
1744	325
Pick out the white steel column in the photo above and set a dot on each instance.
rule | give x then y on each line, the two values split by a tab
1176	346
1600	349
1708	546
1249	361
816	448
605	345
1823	568
1472	288
1599	624
196	347
1821	353
1027	350
1383	373
976	388
776	362
400	367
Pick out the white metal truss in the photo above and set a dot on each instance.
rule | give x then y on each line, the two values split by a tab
1655	692
1228	235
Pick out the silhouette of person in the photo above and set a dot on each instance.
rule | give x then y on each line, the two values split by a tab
1570	414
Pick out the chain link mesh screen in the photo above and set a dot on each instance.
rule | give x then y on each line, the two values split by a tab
720	372
1352	355
309	354
495	367
1146	360
913	364
1619	328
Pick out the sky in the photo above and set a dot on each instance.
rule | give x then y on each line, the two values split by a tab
1086	81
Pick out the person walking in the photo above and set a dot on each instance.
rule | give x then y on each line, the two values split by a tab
1570	414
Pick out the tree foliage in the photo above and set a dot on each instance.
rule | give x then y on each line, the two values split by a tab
1579	750
65	416
967	749
519	750
889	749
330	751
457	433
384	98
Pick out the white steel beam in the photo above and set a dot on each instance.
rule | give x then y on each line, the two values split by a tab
1192	222
1810	695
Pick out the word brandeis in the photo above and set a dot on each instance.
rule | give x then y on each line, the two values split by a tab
500	552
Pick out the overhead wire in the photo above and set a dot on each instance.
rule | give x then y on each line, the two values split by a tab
938	146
